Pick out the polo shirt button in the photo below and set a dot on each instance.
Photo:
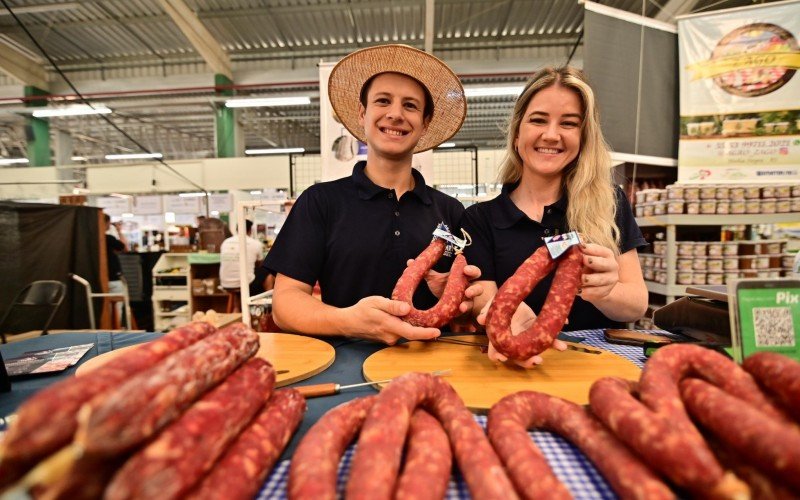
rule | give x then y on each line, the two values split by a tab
391	195
549	210
546	231
397	213
397	233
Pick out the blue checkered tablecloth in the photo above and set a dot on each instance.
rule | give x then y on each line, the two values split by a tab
567	461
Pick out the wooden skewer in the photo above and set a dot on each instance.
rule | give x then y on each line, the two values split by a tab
329	389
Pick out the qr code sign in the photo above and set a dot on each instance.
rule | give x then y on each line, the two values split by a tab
773	326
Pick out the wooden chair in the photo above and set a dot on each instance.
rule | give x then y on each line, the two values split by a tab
234	300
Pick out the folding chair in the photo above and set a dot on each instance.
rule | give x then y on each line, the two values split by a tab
36	302
91	295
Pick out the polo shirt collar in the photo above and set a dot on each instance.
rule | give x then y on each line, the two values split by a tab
505	213
368	189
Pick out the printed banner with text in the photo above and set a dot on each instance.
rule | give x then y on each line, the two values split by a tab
740	95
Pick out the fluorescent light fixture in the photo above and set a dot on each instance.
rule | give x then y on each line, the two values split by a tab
12	161
76	110
273	151
447	145
255	191
169	217
493	91
78	158
133	156
80	191
191	195
215	213
120	195
260	102
127	215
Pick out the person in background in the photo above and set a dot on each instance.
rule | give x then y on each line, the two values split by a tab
229	261
557	177
355	235
115	243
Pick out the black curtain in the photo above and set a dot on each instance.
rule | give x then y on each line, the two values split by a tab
47	242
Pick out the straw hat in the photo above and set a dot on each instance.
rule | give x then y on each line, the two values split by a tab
350	74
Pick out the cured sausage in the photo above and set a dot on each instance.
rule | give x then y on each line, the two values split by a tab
374	468
771	445
120	419
511	417
761	486
780	376
47	421
447	307
658	427
312	473
241	471
539	336
428	460
179	457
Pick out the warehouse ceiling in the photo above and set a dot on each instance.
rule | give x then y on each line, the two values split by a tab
153	62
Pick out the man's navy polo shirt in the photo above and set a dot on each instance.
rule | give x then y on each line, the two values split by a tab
355	237
503	237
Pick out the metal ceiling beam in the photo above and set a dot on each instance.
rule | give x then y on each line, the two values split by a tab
22	68
675	8
38	9
199	36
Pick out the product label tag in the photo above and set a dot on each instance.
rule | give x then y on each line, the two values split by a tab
456	245
560	243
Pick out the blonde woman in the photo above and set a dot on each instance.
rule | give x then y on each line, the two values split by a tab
556	178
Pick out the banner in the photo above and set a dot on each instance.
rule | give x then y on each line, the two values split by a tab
339	150
740	95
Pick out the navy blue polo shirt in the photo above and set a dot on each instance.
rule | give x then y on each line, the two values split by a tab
503	237
355	237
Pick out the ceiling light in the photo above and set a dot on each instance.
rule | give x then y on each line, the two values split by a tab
120	195
255	191
191	195
133	156
267	101
78	158
76	110
273	151
493	91
447	145
12	161
127	215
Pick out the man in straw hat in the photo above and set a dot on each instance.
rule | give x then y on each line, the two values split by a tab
355	235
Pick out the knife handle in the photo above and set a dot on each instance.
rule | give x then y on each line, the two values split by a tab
312	391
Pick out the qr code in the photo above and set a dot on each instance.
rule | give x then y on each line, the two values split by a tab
773	326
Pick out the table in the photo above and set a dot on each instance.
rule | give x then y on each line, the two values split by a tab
567	462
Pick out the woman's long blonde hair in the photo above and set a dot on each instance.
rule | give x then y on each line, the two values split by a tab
587	181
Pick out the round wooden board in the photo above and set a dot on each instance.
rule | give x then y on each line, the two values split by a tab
301	357
481	383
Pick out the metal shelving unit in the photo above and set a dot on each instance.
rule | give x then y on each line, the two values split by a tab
671	221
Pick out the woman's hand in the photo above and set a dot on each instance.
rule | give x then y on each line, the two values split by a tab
522	320
600	272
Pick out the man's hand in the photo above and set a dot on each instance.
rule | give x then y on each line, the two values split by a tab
378	318
522	320
436	282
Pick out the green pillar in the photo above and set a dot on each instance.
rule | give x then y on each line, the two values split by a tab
38	131
225	121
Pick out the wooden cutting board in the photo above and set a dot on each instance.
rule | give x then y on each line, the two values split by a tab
481	383
301	357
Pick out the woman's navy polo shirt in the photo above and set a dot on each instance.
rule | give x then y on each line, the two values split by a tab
503	237
355	237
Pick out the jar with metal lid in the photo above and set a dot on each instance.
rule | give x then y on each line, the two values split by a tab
723	192
675	206
699	278
708	207
675	192
738	206
659	207
752	192
700	249
692	193
715	248
685	248
768	205
737	193
768	191
649	209
783	205
715	278
699	264
723	207
783	191
753	206
692	207
715	265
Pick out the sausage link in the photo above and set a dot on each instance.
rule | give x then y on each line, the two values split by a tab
33	436
122	418
780	376
658	427
428	460
761	486
511	417
374	468
447	307
315	463
770	445
178	458
541	334
241	471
